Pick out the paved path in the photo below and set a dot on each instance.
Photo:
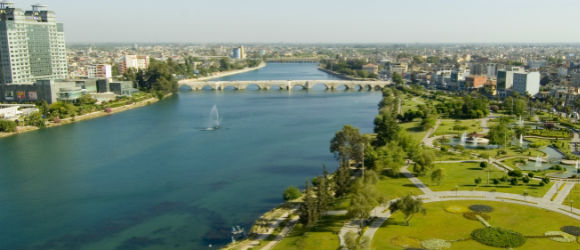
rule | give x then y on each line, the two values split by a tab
564	192
430	132
282	233
382	212
484	125
270	230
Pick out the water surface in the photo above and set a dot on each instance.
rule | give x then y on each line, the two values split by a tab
149	178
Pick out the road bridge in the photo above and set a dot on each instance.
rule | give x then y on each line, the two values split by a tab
284	84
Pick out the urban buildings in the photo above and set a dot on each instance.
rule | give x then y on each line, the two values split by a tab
32	45
371	68
475	81
133	62
99	71
526	83
239	53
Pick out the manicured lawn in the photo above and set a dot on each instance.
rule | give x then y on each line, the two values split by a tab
575	196
439	224
446	126
462	175
393	188
414	128
323	236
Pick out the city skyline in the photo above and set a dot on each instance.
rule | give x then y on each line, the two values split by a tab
448	21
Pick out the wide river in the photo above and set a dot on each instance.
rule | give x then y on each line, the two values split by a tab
150	178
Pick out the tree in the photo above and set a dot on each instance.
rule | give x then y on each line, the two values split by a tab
390	157
322	196
35	119
438	175
477	181
483	164
428	122
409	206
397	79
423	162
347	144
308	211
386	127
500	133
364	198
341	180
291	193
7	126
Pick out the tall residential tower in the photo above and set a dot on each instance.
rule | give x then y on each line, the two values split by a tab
32	45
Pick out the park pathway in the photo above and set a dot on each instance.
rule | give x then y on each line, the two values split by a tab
382	212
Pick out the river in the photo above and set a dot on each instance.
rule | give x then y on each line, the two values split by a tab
151	178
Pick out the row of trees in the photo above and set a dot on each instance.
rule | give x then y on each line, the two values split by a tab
464	108
348	67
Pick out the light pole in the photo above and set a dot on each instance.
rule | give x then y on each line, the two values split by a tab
456	190
571	202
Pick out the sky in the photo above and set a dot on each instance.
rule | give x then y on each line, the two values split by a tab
317	21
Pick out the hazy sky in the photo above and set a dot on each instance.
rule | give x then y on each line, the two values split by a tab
338	21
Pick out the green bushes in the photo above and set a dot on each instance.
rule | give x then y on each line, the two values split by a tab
498	237
291	193
7	126
549	133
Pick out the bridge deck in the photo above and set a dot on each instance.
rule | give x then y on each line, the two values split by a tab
284	84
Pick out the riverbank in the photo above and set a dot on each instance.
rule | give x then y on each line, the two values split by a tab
346	77
89	116
224	74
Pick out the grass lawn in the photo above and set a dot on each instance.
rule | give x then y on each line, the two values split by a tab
322	236
411	102
463	175
575	196
446	126
393	188
439	224
511	151
414	128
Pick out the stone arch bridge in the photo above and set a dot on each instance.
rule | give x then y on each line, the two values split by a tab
285	84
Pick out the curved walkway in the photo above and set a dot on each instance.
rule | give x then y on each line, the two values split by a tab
382	212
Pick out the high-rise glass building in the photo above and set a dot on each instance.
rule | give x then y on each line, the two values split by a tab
32	45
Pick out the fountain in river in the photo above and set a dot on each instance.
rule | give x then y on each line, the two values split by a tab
474	142
521	140
463	138
521	122
214	119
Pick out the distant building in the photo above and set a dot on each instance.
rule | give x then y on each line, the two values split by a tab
575	80
371	68
133	62
505	78
32	45
475	81
236	53
536	64
400	68
239	53
526	83
99	71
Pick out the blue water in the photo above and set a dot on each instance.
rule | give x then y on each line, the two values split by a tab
151	178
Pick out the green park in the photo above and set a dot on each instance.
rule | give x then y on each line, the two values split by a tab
440	171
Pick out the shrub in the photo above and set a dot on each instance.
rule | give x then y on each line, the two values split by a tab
514	181
495	181
545	180
526	179
573	230
480	208
531	175
483	164
291	193
515	173
7	126
498	237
